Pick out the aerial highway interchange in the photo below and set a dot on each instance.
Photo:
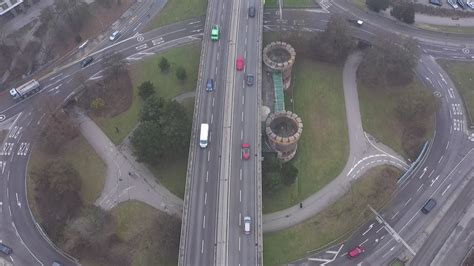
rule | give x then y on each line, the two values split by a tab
217	195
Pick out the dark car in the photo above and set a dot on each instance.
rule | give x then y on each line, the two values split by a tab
210	85
250	79
429	205
252	11
436	2
5	249
87	61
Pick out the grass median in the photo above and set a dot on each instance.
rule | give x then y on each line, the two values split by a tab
178	10
462	75
318	98
378	108
349	212
168	86
447	29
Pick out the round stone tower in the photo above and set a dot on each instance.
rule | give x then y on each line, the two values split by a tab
280	56
283	130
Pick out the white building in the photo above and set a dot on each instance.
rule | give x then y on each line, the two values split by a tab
7	5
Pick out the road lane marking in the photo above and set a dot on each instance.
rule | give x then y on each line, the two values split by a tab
380	229
207	177
240	173
408	201
240	195
395	215
420	187
422	174
202	246
442	194
208	155
18	201
204	222
364	242
239	243
370	228
205	198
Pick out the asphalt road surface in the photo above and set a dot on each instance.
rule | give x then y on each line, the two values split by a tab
448	149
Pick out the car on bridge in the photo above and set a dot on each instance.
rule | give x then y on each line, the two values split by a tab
215	34
240	63
249	79
247	221
245	151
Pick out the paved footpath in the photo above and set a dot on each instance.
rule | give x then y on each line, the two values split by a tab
363	155
126	179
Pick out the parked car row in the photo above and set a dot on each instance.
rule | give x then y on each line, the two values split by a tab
455	3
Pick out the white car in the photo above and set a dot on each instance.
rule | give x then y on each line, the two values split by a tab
470	3
247	221
115	35
453	4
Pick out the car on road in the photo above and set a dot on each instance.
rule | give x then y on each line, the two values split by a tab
245	151
356	22
5	249
247	221
429	205
215	33
87	61
252	11
355	252
115	35
210	85
240	63
249	79
55	263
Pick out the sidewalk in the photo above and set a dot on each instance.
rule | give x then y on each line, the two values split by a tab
363	155
126	179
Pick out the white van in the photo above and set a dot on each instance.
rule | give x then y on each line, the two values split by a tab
203	139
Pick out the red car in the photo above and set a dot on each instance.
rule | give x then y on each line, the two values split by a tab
355	252
245	151
240	63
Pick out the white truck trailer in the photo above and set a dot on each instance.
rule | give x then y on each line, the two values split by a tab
25	90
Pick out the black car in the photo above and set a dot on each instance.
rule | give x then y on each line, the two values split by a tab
210	85
87	61
250	79
5	249
252	11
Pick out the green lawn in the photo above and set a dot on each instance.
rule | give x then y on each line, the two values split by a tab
462	75
379	115
177	10
83	158
291	3
337	221
324	145
133	219
360	3
448	29
168	86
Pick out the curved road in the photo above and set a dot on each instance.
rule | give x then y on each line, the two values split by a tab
33	248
